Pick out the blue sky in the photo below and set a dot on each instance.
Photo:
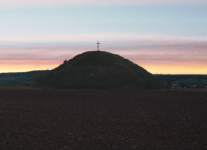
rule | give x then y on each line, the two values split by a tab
156	19
171	37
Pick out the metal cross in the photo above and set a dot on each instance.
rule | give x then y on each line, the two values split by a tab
98	45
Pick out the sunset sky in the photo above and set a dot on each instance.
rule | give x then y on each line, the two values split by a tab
162	36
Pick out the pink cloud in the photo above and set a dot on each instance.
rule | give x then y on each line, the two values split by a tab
62	50
34	37
157	53
184	53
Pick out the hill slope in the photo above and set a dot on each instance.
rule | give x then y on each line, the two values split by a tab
100	70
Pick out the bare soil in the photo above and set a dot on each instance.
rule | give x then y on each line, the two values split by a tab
97	119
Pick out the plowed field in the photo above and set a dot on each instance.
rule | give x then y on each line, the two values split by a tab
97	119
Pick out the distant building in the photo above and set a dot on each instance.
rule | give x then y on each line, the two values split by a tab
174	86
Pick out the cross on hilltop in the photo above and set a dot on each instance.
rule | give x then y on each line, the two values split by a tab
98	45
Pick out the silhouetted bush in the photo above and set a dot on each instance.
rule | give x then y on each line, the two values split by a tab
26	83
168	85
65	61
38	77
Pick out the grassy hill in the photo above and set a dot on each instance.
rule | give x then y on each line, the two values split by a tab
99	70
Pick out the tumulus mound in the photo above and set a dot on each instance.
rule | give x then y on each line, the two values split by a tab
99	70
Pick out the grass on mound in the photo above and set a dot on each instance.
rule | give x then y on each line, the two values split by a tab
100	70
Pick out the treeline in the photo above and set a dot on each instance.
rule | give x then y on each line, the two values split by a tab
190	81
38	77
180	77
15	83
34	77
21	78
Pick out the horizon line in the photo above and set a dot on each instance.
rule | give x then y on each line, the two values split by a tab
54	68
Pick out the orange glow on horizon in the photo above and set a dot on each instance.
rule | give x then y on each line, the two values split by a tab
170	69
25	68
27	65
30	65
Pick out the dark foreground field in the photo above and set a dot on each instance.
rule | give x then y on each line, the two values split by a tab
92	119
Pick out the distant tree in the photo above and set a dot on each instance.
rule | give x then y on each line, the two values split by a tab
38	77
12	83
168	84
182	85
199	78
26	83
65	61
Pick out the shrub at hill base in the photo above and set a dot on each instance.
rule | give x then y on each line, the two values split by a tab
99	70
